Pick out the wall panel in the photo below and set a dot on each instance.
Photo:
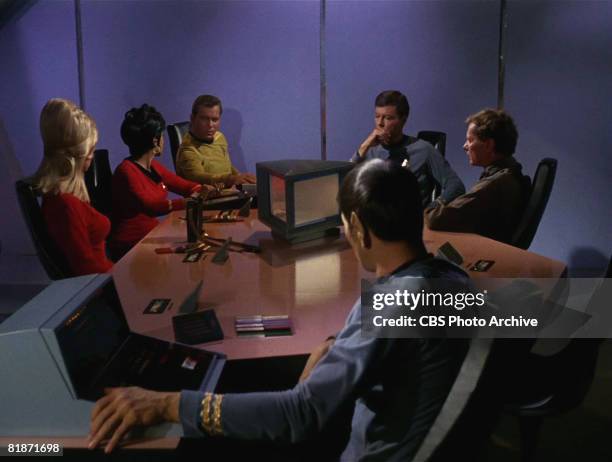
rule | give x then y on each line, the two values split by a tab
260	57
38	57
441	54
558	86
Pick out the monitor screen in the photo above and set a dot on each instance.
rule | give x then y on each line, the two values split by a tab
315	199
91	336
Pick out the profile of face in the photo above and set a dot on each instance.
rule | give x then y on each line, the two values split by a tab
159	142
91	145
206	122
387	120
480	153
88	159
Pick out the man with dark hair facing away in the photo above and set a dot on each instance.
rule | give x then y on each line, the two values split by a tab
387	141
398	385
494	205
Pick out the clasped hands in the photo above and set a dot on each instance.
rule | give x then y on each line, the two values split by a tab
376	137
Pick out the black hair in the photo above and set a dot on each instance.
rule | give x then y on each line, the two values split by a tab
140	126
396	99
387	200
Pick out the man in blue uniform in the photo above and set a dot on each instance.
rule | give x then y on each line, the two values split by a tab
388	141
397	385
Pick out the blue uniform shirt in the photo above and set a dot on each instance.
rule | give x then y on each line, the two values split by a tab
398	386
427	164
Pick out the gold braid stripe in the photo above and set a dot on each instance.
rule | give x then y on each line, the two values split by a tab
205	413
217	429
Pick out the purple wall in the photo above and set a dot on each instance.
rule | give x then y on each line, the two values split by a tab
442	55
558	87
260	57
38	58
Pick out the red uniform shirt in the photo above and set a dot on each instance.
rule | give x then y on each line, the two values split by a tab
138	197
79	231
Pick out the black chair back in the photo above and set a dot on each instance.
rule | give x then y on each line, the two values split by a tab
577	362
98	180
175	135
469	414
540	193
561	381
436	139
50	257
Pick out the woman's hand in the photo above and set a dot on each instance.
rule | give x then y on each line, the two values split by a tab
207	191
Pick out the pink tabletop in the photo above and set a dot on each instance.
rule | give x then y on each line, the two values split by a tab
316	283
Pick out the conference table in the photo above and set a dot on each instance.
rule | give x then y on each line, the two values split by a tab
315	283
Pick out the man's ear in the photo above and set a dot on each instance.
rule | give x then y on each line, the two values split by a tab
360	232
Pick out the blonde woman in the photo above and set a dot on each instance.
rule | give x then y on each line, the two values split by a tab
79	231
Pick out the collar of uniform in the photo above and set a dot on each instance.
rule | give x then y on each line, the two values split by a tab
402	143
404	266
501	164
150	173
200	140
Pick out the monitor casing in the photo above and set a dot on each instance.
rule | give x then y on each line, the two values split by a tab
38	393
293	171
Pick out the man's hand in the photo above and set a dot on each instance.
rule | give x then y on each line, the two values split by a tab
377	136
315	357
121	409
240	179
249	178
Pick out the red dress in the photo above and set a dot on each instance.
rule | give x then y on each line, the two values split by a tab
138	196
79	231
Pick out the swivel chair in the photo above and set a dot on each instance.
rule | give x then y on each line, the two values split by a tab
436	139
175	135
98	181
543	181
50	257
563	379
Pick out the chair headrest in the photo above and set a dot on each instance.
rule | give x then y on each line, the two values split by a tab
541	188
175	135
435	138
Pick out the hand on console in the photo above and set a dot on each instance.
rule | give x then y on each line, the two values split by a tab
121	409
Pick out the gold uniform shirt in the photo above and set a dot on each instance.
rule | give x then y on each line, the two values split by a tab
204	162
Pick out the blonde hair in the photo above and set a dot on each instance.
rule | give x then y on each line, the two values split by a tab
69	134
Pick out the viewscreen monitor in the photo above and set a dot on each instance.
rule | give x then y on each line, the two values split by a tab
297	198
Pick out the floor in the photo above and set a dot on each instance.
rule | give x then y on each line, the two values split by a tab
582	434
